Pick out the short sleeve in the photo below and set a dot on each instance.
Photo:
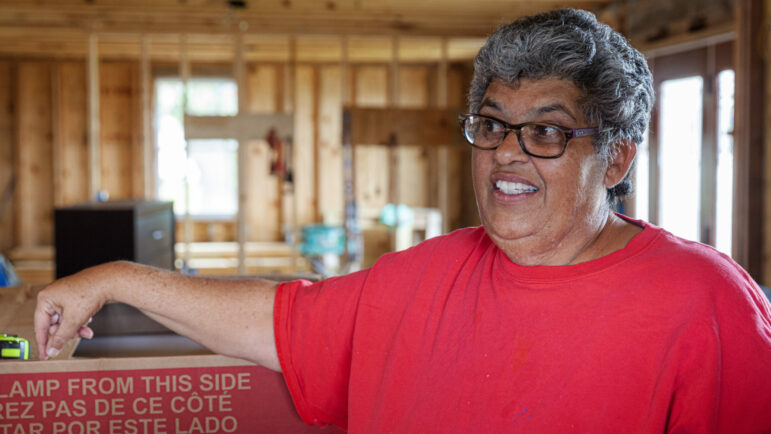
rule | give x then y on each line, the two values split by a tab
314	325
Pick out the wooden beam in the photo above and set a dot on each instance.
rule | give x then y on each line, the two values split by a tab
48	42
249	126
7	156
57	151
749	140
94	154
426	127
330	153
238	72
708	211
393	154
403	17
304	144
443	153
184	75
148	151
345	96
289	76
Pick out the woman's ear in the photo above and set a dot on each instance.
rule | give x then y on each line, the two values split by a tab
619	161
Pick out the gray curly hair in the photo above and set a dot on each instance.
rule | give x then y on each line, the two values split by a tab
616	84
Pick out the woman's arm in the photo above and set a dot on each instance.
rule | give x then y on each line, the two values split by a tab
230	317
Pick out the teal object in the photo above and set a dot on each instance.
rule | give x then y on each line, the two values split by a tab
319	240
396	215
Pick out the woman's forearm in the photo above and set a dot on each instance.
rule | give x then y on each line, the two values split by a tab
231	317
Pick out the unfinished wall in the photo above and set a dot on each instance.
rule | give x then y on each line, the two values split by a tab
43	130
263	199
34	156
120	129
44	138
70	140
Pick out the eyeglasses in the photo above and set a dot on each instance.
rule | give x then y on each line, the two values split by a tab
536	139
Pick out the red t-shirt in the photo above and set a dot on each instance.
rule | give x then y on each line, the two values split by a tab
451	336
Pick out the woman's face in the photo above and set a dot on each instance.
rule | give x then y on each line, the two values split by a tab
537	210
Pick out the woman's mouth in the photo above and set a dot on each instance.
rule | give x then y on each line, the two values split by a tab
507	187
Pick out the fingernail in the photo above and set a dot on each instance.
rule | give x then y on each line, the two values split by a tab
52	352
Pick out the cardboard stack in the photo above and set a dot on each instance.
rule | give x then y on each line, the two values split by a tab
183	394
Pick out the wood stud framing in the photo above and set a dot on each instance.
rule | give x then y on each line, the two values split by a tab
94	153
97	133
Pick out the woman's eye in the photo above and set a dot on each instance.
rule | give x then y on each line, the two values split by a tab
545	131
492	126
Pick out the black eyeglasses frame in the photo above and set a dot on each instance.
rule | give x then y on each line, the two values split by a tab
570	133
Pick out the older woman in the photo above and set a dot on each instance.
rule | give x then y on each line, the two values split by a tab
557	315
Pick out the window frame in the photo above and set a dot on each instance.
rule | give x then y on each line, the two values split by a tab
706	58
198	71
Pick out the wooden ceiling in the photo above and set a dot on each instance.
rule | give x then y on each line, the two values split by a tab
315	28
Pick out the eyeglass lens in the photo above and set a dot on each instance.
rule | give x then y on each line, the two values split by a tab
538	139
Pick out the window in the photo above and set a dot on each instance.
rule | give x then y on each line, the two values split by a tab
725	160
210	166
680	156
685	169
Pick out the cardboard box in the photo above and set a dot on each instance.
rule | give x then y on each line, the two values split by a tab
184	394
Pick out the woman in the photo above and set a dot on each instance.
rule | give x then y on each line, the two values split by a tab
556	315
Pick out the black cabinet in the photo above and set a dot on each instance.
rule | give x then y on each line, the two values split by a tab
94	233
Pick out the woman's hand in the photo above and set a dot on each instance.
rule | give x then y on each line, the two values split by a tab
66	306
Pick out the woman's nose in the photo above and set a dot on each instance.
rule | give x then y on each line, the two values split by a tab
510	150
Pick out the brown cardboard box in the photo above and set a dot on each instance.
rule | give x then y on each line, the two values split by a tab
177	394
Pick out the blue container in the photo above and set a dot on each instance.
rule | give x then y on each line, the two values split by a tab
319	240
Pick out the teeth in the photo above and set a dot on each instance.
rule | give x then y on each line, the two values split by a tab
514	187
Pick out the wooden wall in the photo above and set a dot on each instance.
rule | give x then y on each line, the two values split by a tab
44	142
7	167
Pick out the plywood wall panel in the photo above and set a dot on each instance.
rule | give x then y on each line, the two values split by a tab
412	169
137	182
414	86
458	81
263	201
330	155
117	129
263	90
371	176
412	176
34	218
457	176
71	148
7	145
370	84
